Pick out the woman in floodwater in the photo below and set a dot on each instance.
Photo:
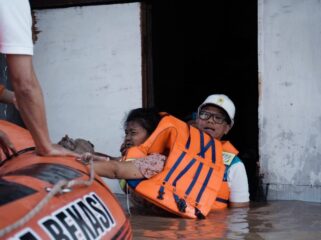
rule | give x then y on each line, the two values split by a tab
138	126
209	112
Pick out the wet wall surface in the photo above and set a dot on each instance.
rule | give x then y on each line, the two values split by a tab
271	220
290	152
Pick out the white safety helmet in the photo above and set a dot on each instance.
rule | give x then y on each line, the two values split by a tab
221	101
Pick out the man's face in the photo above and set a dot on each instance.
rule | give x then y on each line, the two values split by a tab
215	125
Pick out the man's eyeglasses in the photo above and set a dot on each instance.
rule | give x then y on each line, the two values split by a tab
218	118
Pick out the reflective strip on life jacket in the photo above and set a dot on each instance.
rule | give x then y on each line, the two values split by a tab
193	171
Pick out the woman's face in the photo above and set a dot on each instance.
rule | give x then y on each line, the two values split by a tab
135	134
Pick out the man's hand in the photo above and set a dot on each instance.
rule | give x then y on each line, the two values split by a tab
6	145
58	151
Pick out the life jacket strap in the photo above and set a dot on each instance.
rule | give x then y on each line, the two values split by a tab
199	214
222	200
189	165
181	203
204	149
161	192
208	176
198	171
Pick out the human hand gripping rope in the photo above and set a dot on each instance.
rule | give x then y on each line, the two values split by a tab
87	157
61	187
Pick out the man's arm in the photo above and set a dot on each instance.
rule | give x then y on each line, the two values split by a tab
237	180
31	104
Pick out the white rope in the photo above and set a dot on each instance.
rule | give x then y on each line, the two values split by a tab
58	188
127	199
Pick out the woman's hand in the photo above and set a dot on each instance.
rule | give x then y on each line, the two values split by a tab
87	157
123	149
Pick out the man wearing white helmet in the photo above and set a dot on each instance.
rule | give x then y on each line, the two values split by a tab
215	116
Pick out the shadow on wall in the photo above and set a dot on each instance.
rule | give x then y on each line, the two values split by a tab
7	111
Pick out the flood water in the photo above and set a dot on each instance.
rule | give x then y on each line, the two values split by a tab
271	220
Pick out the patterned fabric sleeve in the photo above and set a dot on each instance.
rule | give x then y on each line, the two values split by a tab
150	165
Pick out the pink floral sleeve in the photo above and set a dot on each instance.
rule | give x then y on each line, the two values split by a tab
150	165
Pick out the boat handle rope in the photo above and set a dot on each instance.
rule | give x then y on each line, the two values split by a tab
127	199
22	151
63	186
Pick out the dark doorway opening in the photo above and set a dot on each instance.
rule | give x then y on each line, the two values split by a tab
205	47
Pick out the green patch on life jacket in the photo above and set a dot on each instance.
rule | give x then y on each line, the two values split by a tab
228	157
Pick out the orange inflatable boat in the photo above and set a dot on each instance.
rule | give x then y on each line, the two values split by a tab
54	197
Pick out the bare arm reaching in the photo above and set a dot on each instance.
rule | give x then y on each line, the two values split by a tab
31	104
112	169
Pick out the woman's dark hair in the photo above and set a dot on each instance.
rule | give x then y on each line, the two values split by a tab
148	118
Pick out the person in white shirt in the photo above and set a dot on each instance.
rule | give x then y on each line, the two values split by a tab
16	43
215	116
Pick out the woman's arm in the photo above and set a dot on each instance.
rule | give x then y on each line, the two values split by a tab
112	169
117	169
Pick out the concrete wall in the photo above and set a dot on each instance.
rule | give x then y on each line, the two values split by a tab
290	97
88	60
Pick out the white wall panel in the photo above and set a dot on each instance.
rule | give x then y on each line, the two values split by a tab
88	60
290	97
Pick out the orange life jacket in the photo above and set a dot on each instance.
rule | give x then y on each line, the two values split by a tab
193	172
222	199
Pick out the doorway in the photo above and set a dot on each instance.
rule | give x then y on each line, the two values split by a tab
201	48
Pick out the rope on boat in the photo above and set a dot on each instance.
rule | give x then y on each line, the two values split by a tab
61	187
127	199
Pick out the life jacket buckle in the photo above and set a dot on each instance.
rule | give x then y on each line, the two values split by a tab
199	214
160	195
181	204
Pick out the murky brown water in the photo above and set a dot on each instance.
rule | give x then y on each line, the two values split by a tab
272	220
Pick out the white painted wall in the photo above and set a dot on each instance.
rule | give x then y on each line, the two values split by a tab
290	97
88	60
